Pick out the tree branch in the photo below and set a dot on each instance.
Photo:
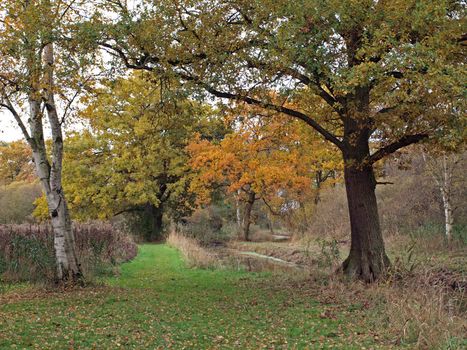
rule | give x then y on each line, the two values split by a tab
252	101
232	96
5	102
393	147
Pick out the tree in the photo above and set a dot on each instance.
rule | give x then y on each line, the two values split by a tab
39	71
267	158
15	162
133	159
19	186
446	169
385	68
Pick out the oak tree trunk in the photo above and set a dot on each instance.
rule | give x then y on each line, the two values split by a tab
154	215
367	259
247	215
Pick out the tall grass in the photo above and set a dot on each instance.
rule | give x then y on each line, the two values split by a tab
27	252
420	315
194	254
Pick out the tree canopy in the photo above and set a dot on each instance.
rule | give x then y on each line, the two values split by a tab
132	158
389	71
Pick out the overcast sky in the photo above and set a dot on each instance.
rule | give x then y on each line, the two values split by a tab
9	130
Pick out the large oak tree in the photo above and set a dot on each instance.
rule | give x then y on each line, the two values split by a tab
131	159
387	69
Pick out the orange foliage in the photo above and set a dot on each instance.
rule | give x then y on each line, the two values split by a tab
273	156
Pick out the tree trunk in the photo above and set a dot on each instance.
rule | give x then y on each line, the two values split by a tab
40	89
238	211
446	195
68	268
247	215
367	259
319	181
154	216
448	218
442	170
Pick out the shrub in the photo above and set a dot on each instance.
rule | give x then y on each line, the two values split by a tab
27	252
207	226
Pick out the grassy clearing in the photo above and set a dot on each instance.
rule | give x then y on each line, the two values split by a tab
157	302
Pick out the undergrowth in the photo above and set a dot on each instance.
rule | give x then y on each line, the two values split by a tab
194	254
27	252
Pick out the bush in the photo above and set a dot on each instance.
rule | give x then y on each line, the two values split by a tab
27	252
207	226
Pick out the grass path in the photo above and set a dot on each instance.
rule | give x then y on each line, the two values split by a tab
158	303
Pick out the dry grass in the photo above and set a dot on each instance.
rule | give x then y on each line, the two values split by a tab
413	317
422	310
424	318
27	253
259	235
195	255
420	305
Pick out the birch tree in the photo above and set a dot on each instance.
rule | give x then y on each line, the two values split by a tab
38	72
446	169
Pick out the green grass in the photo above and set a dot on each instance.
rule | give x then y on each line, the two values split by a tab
157	302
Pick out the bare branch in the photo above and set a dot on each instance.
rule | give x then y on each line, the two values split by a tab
5	102
393	147
288	111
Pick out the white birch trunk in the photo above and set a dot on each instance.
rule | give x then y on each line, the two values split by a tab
442	170
446	195
64	242
238	210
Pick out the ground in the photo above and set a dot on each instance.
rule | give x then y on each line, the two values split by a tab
156	302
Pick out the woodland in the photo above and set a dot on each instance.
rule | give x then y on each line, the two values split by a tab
232	174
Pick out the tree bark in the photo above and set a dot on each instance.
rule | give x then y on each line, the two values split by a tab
445	187
367	259
40	93
155	225
247	215
442	170
449	221
68	268
238	210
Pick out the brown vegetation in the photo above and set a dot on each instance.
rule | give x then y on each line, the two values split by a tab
26	251
194	254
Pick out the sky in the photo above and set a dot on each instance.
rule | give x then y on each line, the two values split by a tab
9	130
